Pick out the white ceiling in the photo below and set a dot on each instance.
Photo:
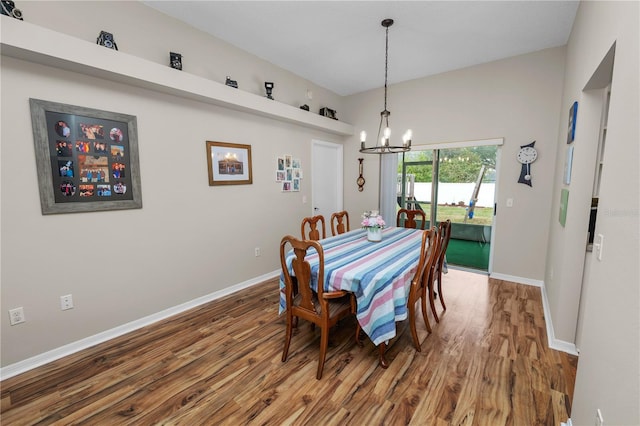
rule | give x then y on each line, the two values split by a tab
339	45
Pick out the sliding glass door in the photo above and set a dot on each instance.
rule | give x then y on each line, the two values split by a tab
458	184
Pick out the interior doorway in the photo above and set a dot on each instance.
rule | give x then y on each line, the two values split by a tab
455	182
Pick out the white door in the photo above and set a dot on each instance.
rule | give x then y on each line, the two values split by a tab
326	179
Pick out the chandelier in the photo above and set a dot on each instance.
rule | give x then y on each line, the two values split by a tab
383	144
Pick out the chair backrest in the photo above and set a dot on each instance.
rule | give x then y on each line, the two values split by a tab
407	218
302	271
313	233
340	223
429	251
444	231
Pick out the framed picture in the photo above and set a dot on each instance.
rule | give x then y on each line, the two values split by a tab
229	163
568	164
573	115
87	158
564	203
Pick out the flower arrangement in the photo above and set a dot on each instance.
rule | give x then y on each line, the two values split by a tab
372	219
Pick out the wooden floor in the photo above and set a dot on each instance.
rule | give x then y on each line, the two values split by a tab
486	363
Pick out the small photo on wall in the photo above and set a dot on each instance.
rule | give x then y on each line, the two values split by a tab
280	163
296	185
280	176
573	115
286	186
287	161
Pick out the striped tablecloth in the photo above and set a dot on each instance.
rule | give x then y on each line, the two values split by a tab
378	273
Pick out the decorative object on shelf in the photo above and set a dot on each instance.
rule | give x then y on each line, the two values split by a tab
289	173
229	163
106	39
87	158
360	180
573	115
328	112
526	156
9	9
268	86
231	83
175	60
373	223
383	145
304	107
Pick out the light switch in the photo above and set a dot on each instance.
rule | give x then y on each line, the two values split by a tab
509	202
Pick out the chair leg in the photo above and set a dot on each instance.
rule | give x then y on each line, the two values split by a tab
412	325
432	301
423	304
287	339
324	342
444	307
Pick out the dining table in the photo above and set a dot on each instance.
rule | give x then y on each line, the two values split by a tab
378	273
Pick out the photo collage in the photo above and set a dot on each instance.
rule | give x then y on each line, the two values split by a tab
89	158
289	174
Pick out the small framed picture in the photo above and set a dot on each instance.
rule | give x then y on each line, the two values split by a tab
286	186
229	163
573	115
280	175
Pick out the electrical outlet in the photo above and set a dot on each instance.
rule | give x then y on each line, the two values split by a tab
257	251
16	316
66	302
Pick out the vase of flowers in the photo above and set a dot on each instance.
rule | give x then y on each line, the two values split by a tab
373	223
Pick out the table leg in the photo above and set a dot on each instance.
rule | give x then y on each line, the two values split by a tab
382	349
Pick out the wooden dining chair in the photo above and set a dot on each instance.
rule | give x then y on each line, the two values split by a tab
407	218
428	255
320	307
435	274
340	223
310	229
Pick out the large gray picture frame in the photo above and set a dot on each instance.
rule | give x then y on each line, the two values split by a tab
82	168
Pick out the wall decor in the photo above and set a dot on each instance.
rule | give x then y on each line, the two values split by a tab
106	39
229	163
8	8
526	155
268	86
87	158
573	115
328	112
564	203
289	173
568	163
175	60
231	83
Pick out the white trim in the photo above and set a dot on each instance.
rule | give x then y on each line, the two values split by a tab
71	348
459	144
552	342
519	280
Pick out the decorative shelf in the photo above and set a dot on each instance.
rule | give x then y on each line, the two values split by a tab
29	42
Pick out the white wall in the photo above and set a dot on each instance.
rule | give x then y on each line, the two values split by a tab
517	99
608	376
189	239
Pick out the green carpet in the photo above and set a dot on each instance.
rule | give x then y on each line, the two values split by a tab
470	254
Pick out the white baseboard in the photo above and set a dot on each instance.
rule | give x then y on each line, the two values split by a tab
553	343
515	279
71	348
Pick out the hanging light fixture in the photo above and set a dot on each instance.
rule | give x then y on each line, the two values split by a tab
383	143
